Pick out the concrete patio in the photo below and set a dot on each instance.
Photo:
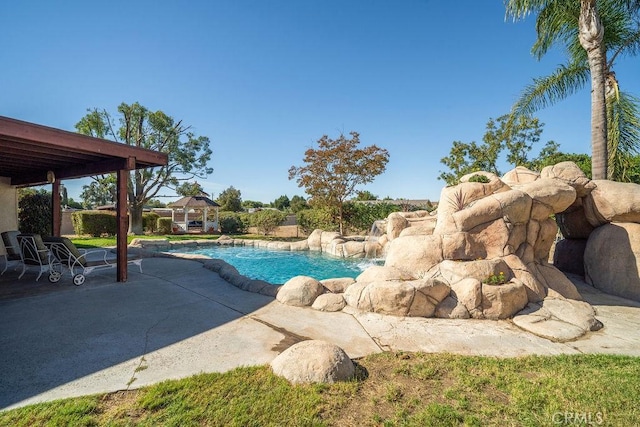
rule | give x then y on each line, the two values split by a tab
178	319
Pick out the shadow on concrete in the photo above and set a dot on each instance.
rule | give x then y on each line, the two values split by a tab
55	334
596	297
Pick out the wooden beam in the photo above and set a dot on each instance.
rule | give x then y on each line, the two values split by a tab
122	223
76	171
17	130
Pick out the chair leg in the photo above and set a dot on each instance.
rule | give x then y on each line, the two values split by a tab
6	264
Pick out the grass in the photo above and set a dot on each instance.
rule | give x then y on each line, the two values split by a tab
101	242
407	389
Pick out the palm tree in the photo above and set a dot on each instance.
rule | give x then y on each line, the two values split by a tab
590	30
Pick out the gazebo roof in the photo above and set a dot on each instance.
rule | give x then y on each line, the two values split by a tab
194	202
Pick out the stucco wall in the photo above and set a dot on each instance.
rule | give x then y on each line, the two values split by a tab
8	208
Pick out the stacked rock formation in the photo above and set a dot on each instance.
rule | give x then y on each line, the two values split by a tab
483	256
602	232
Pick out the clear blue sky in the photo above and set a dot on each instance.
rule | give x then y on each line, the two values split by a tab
265	79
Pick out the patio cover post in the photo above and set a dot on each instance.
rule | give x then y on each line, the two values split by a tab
122	220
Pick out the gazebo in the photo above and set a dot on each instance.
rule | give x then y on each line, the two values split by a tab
197	203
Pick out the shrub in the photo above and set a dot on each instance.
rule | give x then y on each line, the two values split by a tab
479	178
35	213
231	223
94	223
361	216
311	219
164	225
267	220
150	221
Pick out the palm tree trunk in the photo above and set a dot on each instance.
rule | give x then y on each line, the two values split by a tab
591	34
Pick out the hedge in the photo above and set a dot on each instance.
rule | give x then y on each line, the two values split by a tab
94	223
164	225
150	221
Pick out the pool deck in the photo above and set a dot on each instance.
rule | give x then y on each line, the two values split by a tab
178	319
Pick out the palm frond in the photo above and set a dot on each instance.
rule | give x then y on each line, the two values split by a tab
630	46
623	113
545	91
556	23
519	9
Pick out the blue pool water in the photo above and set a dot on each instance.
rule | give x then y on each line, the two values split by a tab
275	266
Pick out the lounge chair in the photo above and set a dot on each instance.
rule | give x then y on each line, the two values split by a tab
79	263
33	252
12	248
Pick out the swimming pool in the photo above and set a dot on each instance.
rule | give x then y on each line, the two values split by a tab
276	266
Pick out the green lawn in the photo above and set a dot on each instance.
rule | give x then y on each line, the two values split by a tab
404	389
101	242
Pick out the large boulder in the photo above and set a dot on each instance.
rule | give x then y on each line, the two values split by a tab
468	292
612	259
612	201
383	272
314	241
558	319
417	254
395	224
556	194
329	302
300	291
414	298
454	271
337	285
313	361
520	175
503	301
571	174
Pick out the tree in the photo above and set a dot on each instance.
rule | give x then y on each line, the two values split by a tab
520	138
336	168
365	195
155	203
190	189
73	204
517	137
230	200
297	204
101	191
251	204
550	155
281	203
267	221
140	127
590	30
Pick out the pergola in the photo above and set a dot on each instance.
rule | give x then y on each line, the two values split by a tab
32	154
202	203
